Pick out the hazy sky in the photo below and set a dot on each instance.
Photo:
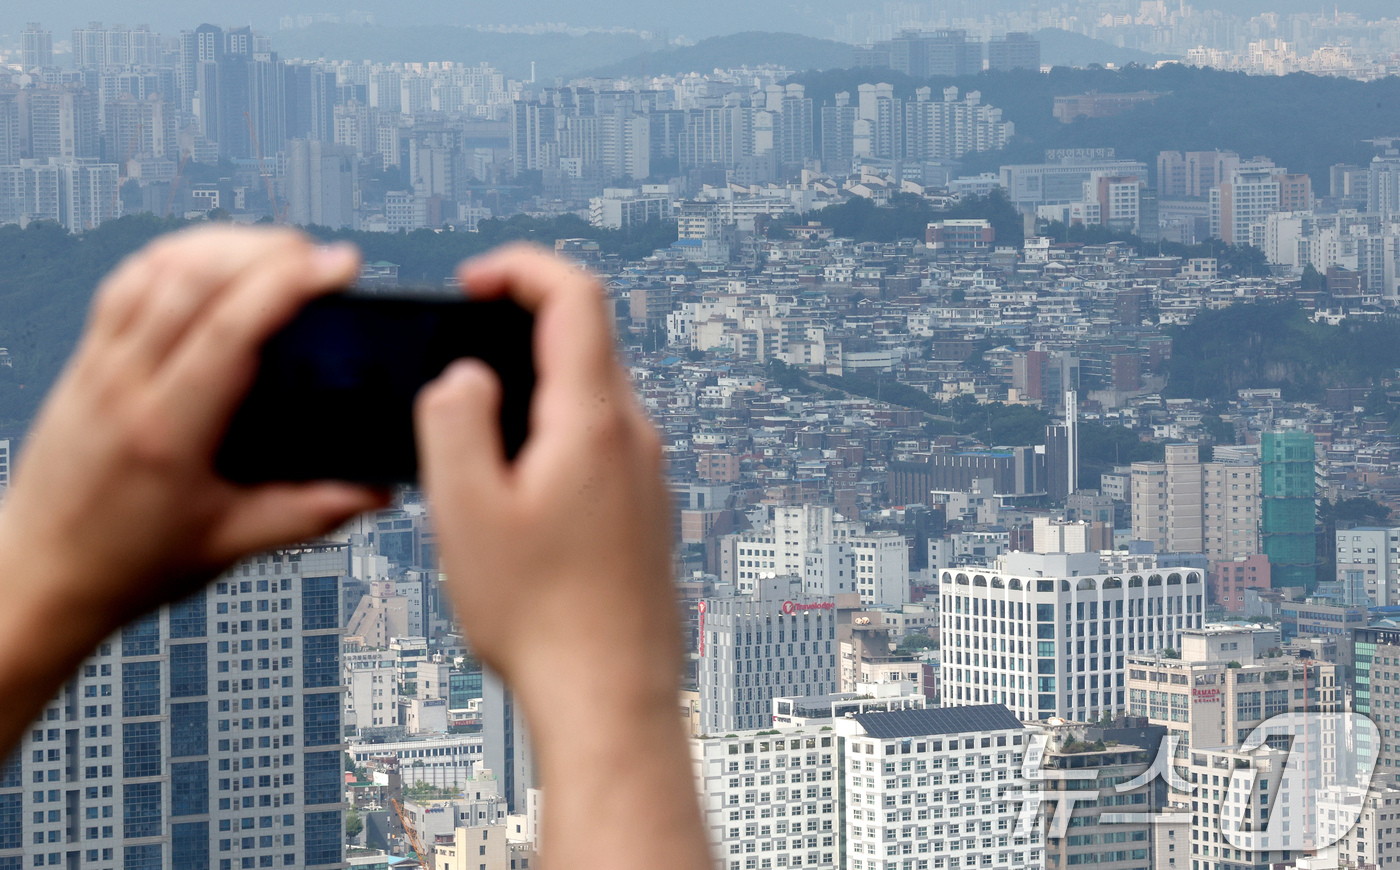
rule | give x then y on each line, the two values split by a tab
693	18
697	17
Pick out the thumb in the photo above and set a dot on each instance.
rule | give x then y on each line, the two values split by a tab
459	433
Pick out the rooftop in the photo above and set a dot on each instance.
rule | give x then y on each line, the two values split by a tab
938	720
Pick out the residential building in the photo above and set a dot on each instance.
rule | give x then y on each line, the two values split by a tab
771	796
1370	556
321	184
1048	634
209	730
444	761
910	792
960	235
1181	505
1228	579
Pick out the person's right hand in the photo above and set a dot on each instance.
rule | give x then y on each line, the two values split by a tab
559	561
559	566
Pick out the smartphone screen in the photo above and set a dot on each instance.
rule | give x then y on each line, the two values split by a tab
333	398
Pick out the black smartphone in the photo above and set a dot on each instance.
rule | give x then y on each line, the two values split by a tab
333	397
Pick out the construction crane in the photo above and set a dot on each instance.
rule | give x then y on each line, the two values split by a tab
410	834
262	168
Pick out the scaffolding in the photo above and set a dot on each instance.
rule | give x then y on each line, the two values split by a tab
1290	508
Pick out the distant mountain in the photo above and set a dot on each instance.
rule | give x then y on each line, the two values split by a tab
790	50
1065	48
554	54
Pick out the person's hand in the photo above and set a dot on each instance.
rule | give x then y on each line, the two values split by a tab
115	505
559	566
565	551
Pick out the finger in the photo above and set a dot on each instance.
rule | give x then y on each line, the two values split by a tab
457	418
573	341
213	365
206	267
124	295
283	513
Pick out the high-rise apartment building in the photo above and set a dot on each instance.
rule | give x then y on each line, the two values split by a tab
1287	466
62	122
1182	505
207	734
772	796
936	786
1048	634
831	554
1241	204
35	47
777	641
838	133
321	183
11	147
1368	558
1383	184
1192	173
951	128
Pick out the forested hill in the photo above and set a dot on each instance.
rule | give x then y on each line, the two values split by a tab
47	277
789	50
1276	345
1304	122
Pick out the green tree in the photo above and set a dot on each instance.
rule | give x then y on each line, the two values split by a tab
353	823
915	642
1312	279
1219	431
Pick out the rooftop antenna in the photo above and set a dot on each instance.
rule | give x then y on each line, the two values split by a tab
1072	437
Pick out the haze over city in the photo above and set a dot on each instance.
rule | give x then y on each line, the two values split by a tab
965	435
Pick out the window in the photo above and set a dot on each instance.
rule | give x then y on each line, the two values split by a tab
189	845
323	837
139	857
141	812
323	777
189	670
320	666
142	637
320	605
140	749
140	688
189	788
11	820
187	617
189	729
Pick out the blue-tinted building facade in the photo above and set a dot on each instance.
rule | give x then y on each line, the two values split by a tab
204	736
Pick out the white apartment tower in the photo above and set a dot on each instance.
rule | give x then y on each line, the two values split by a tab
1048	635
935	788
1368	557
771	799
777	641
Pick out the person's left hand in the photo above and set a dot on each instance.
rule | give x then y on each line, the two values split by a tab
115	504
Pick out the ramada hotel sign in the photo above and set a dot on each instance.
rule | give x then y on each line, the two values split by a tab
789	607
